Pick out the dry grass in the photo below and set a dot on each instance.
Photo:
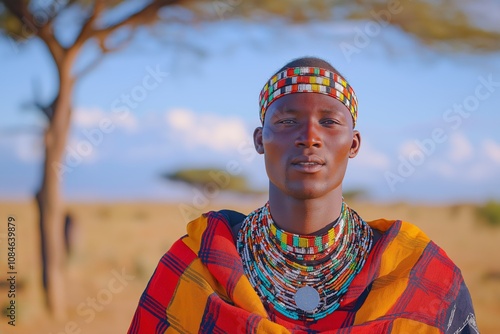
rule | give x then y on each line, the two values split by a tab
131	237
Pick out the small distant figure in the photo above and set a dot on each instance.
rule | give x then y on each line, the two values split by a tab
68	226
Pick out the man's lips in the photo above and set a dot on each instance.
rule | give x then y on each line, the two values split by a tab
308	160
308	164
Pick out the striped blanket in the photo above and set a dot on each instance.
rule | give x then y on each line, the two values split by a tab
408	285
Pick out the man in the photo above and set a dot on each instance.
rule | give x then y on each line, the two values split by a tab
304	262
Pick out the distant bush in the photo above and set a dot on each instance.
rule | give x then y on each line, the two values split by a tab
490	213
206	176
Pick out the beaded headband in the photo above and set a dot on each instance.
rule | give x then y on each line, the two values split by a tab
308	80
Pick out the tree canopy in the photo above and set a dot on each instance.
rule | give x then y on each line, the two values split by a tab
463	26
212	178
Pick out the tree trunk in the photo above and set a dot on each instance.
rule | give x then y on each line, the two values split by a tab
49	199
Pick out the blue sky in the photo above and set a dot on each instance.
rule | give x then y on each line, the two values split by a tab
429	121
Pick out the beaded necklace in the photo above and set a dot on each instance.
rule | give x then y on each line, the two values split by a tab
303	277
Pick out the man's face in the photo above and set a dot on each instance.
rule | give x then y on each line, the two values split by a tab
307	140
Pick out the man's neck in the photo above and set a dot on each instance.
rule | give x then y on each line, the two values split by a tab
304	216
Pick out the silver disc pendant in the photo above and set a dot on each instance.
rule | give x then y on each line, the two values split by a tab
307	298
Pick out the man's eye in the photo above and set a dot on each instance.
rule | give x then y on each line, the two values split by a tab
329	121
286	121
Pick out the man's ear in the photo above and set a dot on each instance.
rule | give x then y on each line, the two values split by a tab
356	144
257	140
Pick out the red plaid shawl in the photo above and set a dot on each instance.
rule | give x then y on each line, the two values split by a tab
408	285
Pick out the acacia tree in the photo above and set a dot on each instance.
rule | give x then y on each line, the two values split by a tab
22	20
25	19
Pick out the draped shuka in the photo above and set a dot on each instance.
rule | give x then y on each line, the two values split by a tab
407	285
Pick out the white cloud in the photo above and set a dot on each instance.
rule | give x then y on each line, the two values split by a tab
408	148
460	148
206	130
369	157
26	147
492	150
471	172
480	172
90	128
180	119
87	118
442	168
79	151
458	163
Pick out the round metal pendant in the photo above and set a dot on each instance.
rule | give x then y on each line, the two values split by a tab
307	298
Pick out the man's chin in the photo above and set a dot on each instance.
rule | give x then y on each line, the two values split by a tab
306	193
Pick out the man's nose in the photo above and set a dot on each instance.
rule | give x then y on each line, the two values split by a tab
309	136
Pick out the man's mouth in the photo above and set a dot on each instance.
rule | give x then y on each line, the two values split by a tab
308	164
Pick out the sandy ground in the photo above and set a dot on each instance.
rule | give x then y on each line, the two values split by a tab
115	248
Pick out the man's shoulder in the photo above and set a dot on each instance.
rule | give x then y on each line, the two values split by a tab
223	223
234	219
394	228
408	241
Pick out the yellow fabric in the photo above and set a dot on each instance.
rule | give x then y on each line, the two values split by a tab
408	326
245	297
195	286
195	231
397	260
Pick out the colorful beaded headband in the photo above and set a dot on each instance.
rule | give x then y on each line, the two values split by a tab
308	80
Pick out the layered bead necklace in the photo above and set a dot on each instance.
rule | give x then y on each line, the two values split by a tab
303	276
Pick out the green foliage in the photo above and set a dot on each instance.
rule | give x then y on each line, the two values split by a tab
11	25
490	213
441	25
212	177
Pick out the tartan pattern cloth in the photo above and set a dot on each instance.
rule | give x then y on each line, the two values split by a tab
408	285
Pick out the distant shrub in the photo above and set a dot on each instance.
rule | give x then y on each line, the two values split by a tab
491	275
490	213
204	177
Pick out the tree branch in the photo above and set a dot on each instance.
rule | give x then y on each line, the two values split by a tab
119	46
48	111
144	16
62	8
104	49
87	27
68	4
20	10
